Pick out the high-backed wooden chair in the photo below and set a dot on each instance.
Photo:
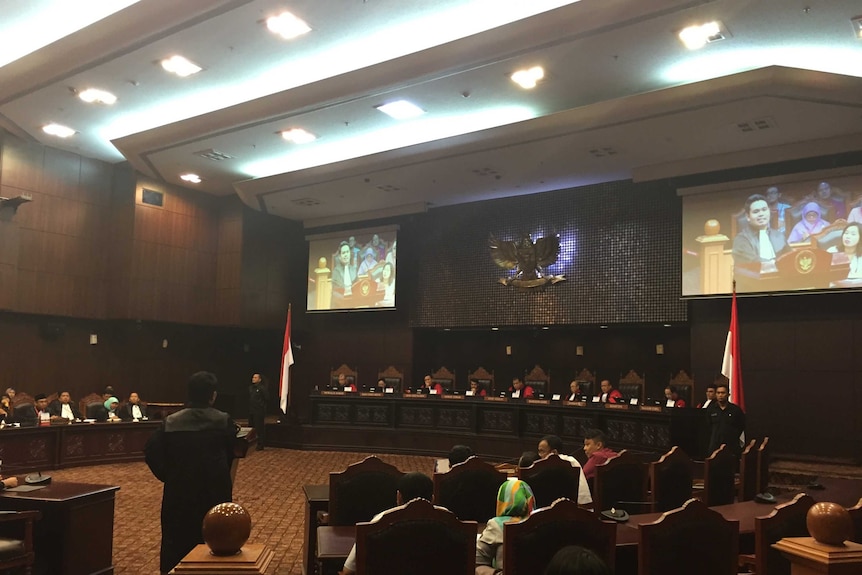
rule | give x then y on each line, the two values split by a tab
551	478
16	541
362	491
786	520
748	472
23	399
445	378
91	406
764	454
393	378
351	377
830	236
691	539
469	490
718	477
632	385
621	483
856	516
684	386
538	379
418	539
529	545
485	379
586	381
670	480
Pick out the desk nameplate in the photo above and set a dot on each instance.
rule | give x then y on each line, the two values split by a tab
575	403
539	401
371	394
452	396
651	408
414	396
619	406
336	393
498	399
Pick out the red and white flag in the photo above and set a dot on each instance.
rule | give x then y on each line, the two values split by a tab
286	362
730	366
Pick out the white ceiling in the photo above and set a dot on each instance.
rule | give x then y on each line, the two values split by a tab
622	97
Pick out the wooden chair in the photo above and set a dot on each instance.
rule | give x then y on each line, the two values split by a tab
670	480
684	386
351	377
393	378
90	404
469	490
23	399
529	545
418	539
445	378
691	539
748	473
830	236
16	540
485	379
586	381
718	477
621	483
361	491
764	454
539	380
786	520
552	478
856	516
632	385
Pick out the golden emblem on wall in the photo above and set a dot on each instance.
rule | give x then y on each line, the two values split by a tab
528	258
805	261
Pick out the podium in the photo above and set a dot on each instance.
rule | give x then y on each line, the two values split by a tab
252	559
810	557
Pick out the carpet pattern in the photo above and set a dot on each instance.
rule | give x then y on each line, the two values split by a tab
268	484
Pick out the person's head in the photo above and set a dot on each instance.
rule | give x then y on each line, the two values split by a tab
107	392
514	501
757	212
459	454
414	485
427	381
710	392
381	383
134	398
375	240
351	241
824	190
202	389
64	397
550	445
41	401
255	378
528	458
668	392
5	400
344	253
606	386
369	254
517	383
575	387
576	560
721	393
811	213
474	385
850	237
772	195
342	380
111	403
387	272
10	391
594	439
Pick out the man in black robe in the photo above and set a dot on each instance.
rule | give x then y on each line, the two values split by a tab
257	399
191	454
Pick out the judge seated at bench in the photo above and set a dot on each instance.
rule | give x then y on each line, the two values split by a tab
428	386
477	389
31	416
411	486
63	408
519	390
609	393
670	394
756	243
342	383
134	410
574	391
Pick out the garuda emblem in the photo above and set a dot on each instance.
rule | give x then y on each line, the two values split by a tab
528	258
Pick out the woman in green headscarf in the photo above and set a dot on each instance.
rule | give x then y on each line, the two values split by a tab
515	502
111	407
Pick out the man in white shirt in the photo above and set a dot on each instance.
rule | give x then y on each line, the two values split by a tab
710	396
134	409
63	408
553	445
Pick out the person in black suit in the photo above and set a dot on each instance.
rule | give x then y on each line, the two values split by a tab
257	398
756	242
64	408
727	422
31	416
133	409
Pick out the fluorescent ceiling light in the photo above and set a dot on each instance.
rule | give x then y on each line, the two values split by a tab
287	25
401	109
857	26
180	66
95	96
298	136
192	178
697	36
528	78
58	130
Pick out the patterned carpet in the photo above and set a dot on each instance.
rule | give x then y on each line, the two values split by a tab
268	484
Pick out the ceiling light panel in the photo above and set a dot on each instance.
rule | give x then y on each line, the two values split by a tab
698	35
96	96
528	78
401	110
298	136
287	25
58	130
191	178
180	65
857	26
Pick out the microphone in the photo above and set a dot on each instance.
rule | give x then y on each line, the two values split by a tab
37	479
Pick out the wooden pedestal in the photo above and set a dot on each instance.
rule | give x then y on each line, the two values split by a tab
808	557
253	559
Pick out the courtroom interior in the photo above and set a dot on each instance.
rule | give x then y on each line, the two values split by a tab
568	253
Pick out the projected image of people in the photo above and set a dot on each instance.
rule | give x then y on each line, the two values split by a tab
756	242
848	251
353	270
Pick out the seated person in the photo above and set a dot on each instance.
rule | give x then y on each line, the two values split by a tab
7	412
411	486
835	205
777	207
368	262
32	416
381	384
428	385
553	445
386	285
477	389
10	391
528	458
609	393
459	454
342	383
810	224
344	273
595	446
63	408
515	502
134	409
574	391
108	393
576	560
110	413
671	394
518	389
7	482
710	396
756	242
855	215
850	252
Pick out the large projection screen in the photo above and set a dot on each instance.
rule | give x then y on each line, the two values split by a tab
352	270
787	234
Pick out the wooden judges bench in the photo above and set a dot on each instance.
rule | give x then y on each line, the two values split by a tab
495	427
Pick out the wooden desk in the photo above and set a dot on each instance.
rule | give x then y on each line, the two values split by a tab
76	533
316	499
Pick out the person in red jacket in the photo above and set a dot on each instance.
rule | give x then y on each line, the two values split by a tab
609	394
595	446
430	385
518	389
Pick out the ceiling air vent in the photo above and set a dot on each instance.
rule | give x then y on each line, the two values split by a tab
214	155
602	152
388	188
756	125
486	172
306	202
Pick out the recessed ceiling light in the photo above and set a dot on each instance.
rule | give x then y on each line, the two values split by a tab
401	109
528	78
495	329
697	36
180	66
58	130
95	96
667	325
545	327
298	136
857	26
603	327
287	25
191	178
